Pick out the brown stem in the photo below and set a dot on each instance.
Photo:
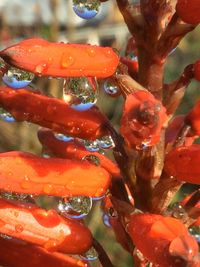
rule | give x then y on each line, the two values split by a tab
102	255
163	193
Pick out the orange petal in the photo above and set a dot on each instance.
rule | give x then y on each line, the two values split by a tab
184	163
23	222
18	253
53	113
73	149
25	173
61	60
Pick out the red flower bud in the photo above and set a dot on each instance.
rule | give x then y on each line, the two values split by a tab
189	11
184	163
61	60
26	173
142	120
162	240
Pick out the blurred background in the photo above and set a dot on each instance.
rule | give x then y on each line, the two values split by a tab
55	20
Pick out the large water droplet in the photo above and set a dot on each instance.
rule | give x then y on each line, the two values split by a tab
16	78
111	88
80	93
6	116
91	146
75	207
92	159
195	232
90	255
62	137
106	142
86	9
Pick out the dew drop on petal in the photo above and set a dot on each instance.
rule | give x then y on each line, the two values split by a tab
63	137
3	67
86	9
80	93
16	78
91	146
92	159
106	142
41	68
90	255
6	116
75	207
15	196
111	88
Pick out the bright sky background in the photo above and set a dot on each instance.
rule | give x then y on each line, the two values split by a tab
23	11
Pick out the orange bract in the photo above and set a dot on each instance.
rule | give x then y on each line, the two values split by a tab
184	163
25	173
61	60
53	113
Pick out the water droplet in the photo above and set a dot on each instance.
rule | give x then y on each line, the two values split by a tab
16	78
178	211
62	137
106	220
132	56
92	159
19	228
41	68
195	232
106	142
91	146
90	255
80	93
6	116
67	60
86	9
111	88
75	207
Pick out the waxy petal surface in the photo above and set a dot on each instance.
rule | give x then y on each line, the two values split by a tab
25	173
61	60
73	149
44	228
53	113
184	163
17	253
